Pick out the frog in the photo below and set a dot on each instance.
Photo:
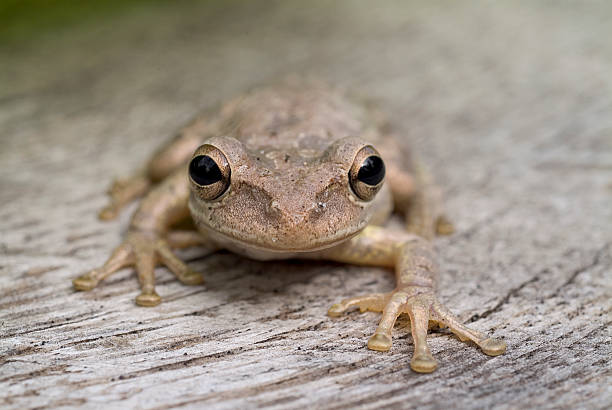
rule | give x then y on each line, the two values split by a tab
303	170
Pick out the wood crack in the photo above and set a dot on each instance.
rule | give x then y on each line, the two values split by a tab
515	291
511	293
581	269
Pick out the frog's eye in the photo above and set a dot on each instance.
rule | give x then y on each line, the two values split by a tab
210	172
367	173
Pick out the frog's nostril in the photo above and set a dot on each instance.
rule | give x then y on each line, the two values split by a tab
275	206
294	211
296	219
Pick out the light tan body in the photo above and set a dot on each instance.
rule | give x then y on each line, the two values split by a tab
289	155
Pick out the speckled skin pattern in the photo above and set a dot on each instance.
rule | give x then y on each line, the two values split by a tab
289	156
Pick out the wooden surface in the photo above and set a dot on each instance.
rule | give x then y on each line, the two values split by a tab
509	104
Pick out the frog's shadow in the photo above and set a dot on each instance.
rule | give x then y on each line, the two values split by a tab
243	278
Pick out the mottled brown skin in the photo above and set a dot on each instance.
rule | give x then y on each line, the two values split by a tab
289	154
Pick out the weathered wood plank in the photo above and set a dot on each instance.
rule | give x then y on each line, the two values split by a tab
509	103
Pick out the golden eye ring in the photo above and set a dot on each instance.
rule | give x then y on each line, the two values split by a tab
209	172
367	174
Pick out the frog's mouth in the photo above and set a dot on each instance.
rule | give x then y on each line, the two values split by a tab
245	242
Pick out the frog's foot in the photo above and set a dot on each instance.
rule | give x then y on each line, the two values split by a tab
122	192
421	305
143	251
444	226
411	300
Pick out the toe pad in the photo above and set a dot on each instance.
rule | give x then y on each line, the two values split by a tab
493	347
336	310
423	364
148	299
84	282
379	342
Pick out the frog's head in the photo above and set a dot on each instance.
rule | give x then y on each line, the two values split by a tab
284	200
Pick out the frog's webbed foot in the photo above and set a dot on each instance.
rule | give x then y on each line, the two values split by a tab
143	251
122	192
422	307
415	301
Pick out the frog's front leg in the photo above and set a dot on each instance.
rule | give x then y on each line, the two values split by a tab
416	270
165	160
148	243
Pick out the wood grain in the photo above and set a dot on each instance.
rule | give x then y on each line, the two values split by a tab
508	103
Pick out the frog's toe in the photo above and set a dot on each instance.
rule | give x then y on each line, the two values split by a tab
444	226
379	342
85	282
493	347
488	345
183	272
122	192
191	278
336	310
374	302
423	363
108	213
148	299
120	257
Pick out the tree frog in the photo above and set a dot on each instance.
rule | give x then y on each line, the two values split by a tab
295	170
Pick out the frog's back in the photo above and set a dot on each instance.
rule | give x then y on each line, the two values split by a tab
298	118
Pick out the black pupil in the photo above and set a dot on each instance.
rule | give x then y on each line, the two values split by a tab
372	170
204	170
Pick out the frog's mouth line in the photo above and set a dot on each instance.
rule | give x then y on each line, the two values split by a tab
228	239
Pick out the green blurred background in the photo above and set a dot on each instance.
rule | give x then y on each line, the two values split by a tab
25	20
